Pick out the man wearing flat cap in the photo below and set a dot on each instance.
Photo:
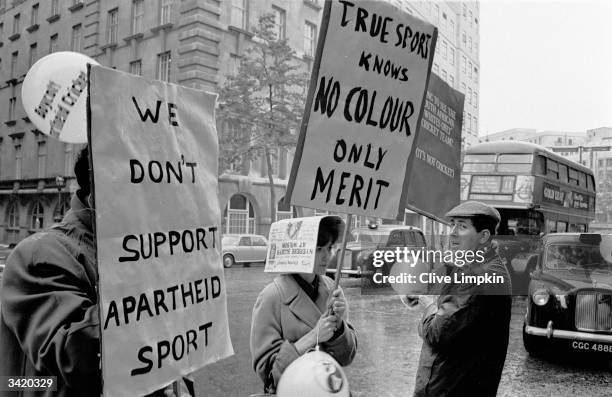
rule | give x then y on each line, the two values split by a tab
465	328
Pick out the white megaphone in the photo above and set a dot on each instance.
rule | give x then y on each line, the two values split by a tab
54	93
315	374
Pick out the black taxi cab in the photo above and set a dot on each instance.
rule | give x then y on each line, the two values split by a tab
570	295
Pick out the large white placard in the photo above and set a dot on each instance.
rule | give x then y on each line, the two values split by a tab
363	110
162	289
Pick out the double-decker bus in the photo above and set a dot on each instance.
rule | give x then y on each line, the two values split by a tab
535	190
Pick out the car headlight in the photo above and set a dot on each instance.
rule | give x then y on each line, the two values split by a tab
540	297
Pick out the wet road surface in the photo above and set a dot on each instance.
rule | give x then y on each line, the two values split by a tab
389	347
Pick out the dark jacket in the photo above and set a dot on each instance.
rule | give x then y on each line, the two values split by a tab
465	335
283	313
49	323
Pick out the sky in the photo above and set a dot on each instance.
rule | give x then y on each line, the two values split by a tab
545	64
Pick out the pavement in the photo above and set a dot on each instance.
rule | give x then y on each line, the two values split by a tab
389	347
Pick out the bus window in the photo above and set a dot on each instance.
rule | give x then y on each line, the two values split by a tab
551	226
540	165
561	227
582	179
573	177
552	168
514	163
563	173
479	163
577	228
590	183
520	222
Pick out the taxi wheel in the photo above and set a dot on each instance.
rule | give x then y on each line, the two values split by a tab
228	260
532	343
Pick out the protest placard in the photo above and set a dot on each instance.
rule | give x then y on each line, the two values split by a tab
162	289
364	104
436	173
292	243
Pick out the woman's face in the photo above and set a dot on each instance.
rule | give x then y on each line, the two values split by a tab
322	256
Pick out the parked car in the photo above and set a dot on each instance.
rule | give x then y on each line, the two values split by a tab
570	295
5	250
243	248
359	252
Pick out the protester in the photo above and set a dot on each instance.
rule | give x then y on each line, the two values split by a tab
49	320
465	328
291	317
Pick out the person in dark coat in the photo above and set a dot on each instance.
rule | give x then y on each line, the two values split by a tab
49	312
465	328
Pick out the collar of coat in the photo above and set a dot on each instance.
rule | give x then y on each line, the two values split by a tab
299	303
80	213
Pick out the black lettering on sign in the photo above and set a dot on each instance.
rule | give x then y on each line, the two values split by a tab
159	172
145	246
327	97
47	100
148	114
175	348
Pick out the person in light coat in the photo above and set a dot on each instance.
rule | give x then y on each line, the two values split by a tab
291	316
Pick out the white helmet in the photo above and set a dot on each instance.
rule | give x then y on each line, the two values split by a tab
315	374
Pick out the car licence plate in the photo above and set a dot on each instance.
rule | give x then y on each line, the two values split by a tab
592	347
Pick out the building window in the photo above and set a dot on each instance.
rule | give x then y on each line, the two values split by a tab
54	7
137	16
14	58
33	55
470	43
475	100
476	74
18	157
42	158
310	38
471	18
239	215
163	66
444	75
238	16
165	11
34	15
464	10
469	96
280	20
470	69
463	39
112	26
436	14
451	81
464	64
77	38
436	68
12	103
475	126
452	29
452	56
136	67
68	159
13	216
16	27
38	216
463	88
280	214
53	44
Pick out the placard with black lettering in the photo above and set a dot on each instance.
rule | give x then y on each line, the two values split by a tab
162	289
362	114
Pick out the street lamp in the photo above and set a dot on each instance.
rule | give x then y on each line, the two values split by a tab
60	182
